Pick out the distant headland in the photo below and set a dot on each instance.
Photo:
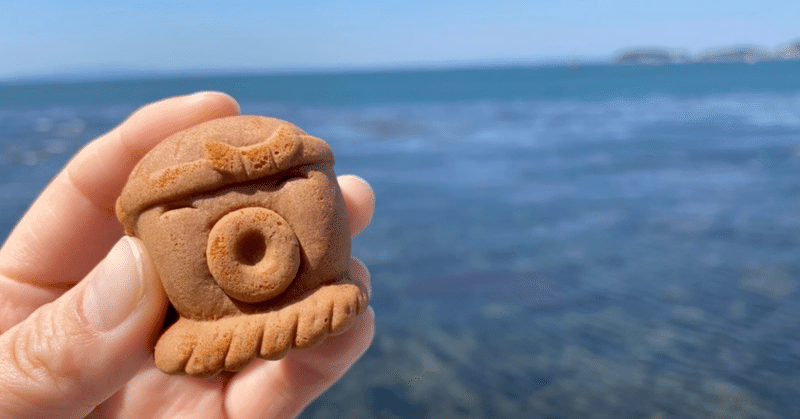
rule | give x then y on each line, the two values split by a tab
738	54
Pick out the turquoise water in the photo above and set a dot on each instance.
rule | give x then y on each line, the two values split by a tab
608	241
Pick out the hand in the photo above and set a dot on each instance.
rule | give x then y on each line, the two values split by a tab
78	323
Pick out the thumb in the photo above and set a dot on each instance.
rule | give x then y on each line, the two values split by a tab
70	355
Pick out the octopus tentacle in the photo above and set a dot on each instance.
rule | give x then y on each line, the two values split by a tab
175	347
204	348
311	326
212	347
246	338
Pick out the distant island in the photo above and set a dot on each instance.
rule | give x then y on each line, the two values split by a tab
741	54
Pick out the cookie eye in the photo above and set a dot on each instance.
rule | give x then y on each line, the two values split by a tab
300	172
176	206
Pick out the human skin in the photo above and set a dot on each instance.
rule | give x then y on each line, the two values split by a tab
78	323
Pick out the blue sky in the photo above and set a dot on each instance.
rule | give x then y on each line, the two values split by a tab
40	37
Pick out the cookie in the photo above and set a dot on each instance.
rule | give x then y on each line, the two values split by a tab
246	224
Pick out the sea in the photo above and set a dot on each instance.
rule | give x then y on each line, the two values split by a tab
590	241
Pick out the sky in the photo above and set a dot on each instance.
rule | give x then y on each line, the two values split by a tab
52	38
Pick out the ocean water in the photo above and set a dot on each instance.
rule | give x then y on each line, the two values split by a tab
605	242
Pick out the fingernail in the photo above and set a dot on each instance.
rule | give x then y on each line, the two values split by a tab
205	94
116	288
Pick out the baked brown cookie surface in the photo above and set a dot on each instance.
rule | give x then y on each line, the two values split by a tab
247	227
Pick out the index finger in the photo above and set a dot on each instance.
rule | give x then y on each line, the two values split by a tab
72	224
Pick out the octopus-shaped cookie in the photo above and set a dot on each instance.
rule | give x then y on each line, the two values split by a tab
248	230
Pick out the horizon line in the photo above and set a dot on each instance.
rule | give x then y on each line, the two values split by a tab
122	72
